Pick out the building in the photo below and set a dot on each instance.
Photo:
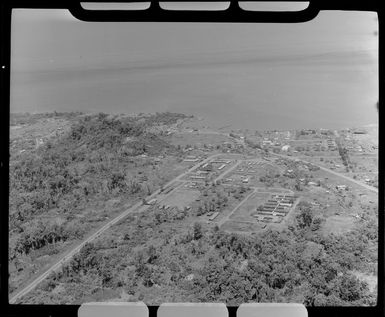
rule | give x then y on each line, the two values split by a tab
213	216
359	131
285	148
191	160
152	202
39	142
197	177
341	187
267	142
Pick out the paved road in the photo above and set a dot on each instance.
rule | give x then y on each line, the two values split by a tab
371	188
137	207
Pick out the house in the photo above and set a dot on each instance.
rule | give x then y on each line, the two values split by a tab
197	177
213	216
191	160
267	142
152	202
341	187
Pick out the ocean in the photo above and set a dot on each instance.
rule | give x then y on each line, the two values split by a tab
329	90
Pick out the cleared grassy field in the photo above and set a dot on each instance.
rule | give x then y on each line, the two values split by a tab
245	211
242	226
27	137
181	198
338	224
198	139
364	163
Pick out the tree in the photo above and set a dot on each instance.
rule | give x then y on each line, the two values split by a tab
305	217
197	231
158	218
297	185
316	223
152	254
351	288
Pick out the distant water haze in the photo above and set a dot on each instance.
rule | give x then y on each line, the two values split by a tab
322	73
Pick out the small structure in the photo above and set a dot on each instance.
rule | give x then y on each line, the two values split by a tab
191	160
285	148
267	142
359	131
152	202
189	277
197	177
341	187
213	216
39	142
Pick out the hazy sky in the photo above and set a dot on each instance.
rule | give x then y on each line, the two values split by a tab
43	38
329	63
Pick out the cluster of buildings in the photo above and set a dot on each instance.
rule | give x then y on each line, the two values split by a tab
275	208
246	171
209	169
331	144
191	159
191	185
341	188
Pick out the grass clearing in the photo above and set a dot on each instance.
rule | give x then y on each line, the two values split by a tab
364	163
181	198
338	224
197	139
242	226
245	211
